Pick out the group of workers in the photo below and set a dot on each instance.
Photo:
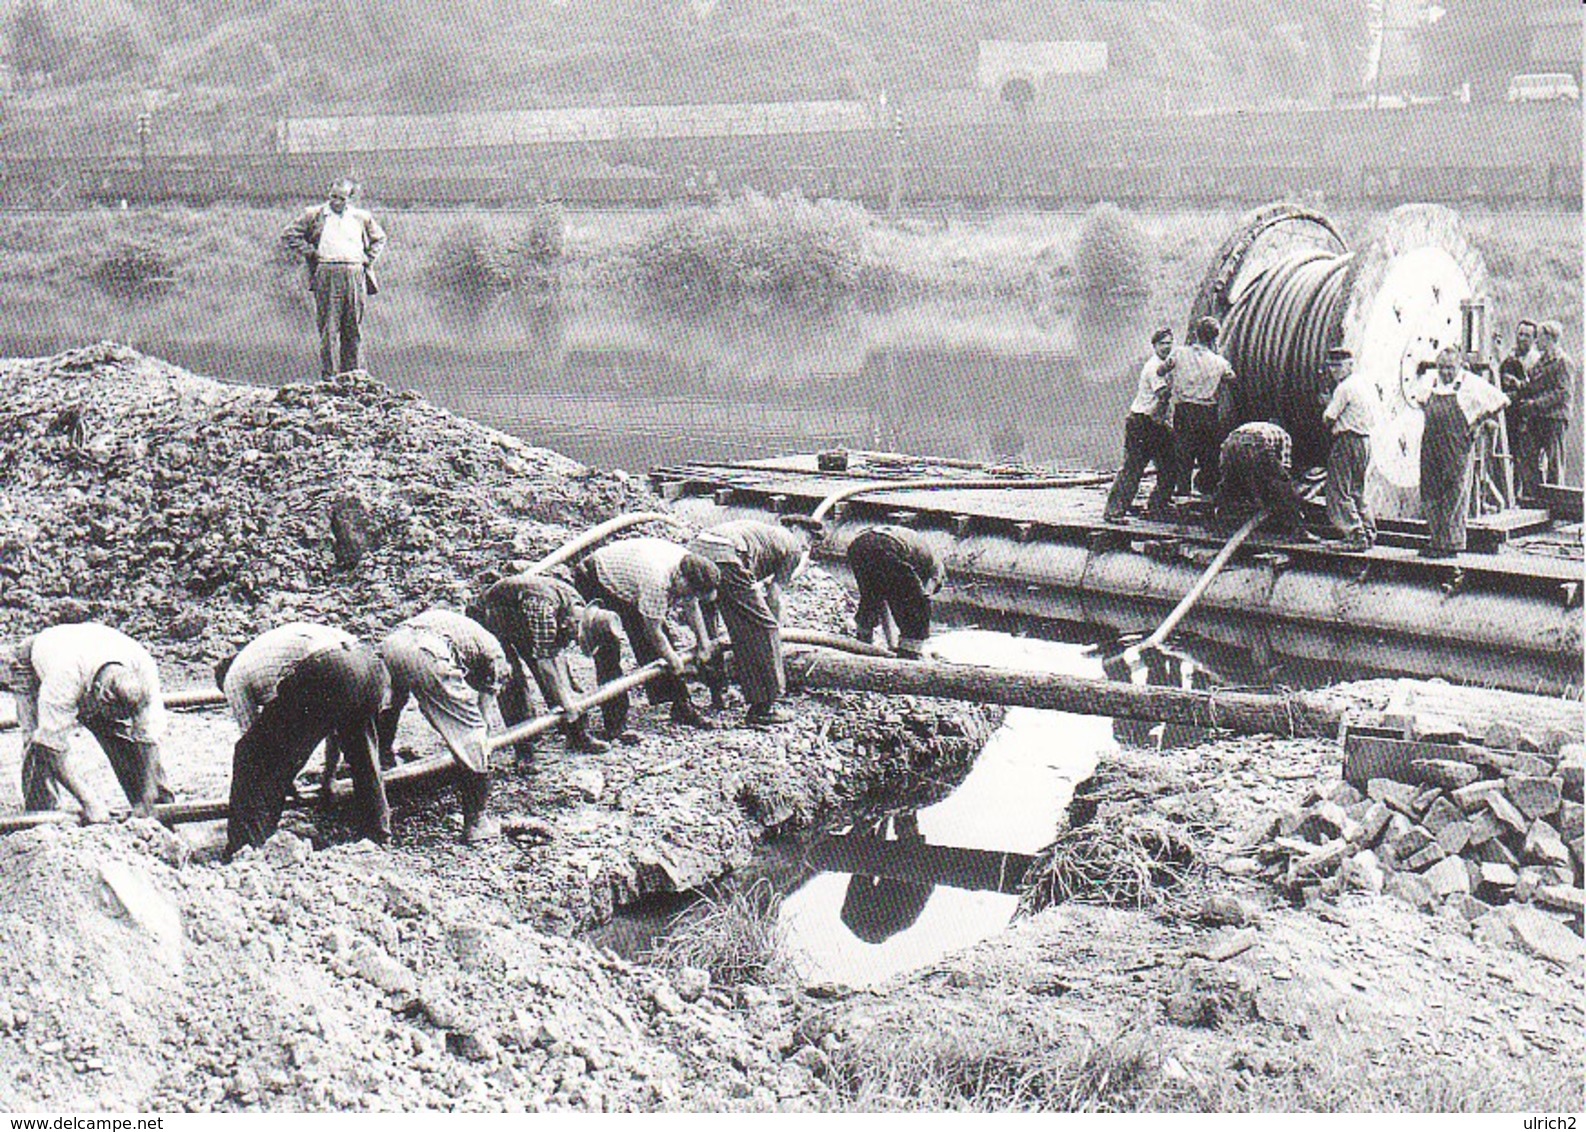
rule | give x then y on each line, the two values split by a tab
1173	424
300	685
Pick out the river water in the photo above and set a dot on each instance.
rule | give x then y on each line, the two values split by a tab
615	386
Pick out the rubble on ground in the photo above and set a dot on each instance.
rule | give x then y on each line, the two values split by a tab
295	980
193	514
1489	830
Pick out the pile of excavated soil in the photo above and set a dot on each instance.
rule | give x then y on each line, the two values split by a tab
193	514
135	979
323	972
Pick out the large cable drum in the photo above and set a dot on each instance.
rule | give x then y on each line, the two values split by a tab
1286	287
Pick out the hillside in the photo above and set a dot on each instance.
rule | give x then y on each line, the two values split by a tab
221	71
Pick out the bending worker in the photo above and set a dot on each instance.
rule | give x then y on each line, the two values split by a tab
101	678
536	618
289	689
640	579
896	572
1254	463
453	667
756	560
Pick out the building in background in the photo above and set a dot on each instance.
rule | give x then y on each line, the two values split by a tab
1018	72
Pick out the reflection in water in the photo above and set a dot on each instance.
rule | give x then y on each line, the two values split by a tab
618	387
877	907
905	891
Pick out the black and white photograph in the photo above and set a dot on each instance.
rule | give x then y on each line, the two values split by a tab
791	557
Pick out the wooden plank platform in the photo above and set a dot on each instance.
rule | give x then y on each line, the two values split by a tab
795	484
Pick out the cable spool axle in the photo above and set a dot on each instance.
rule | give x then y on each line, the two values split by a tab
1286	287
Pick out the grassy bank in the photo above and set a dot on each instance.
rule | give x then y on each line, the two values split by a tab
219	274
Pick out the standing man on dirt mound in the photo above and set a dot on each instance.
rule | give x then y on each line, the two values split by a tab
756	560
92	675
288	690
339	244
453	667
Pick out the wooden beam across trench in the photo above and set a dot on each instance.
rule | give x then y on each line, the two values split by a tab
819	665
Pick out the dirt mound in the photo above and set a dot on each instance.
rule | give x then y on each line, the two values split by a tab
193	514
299	980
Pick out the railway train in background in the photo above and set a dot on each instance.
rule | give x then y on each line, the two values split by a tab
645	157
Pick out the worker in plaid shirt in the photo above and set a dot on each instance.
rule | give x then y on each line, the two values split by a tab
1254	465
536	618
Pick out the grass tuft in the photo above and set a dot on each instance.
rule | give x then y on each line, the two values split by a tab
732	934
994	1064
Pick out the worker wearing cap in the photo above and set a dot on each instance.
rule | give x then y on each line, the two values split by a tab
756	560
537	618
897	572
640	580
1542	407
1514	373
454	668
1148	437
1351	414
290	689
98	677
1199	376
1255	459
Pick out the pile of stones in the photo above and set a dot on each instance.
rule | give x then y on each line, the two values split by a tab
192	513
1486	834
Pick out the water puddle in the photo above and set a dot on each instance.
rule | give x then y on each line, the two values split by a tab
904	891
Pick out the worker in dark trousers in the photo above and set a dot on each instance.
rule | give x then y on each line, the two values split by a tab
896	572
756	560
290	689
98	677
1201	380
1148	438
640	580
453	667
1254	476
537	618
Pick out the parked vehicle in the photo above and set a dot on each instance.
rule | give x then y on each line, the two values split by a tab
1543	88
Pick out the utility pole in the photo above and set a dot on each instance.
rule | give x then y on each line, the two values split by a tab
893	123
143	142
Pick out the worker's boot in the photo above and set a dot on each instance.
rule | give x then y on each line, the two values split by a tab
685	713
478	826
767	715
579	739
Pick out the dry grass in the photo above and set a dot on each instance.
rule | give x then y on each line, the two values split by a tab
997	1064
733	934
1128	864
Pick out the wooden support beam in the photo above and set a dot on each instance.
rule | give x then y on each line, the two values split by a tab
1250	713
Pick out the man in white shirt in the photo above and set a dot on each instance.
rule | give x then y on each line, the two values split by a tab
1199	376
1148	437
340	244
290	689
1351	414
92	675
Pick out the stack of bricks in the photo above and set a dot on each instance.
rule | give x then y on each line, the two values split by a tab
1487	830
